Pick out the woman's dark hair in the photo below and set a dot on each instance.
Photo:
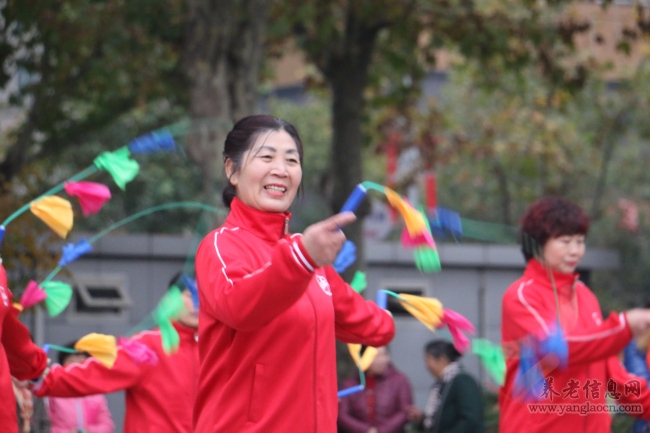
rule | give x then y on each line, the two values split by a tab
439	348
241	138
64	355
549	218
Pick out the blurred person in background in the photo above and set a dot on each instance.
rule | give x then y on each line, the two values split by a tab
382	407
455	402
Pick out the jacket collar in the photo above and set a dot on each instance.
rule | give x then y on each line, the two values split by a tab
266	225
541	275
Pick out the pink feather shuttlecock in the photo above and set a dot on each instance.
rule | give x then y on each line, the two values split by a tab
33	295
138	352
422	239
457	323
91	195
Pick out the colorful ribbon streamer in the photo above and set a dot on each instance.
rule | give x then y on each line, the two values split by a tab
417	231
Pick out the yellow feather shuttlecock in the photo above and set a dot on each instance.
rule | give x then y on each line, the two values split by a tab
56	212
427	310
413	219
364	361
102	347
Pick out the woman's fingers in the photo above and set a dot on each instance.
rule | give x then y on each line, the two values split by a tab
335	222
324	239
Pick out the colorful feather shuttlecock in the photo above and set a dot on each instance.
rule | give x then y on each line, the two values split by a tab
359	282
555	342
362	361
54	211
152	142
32	295
457	325
190	284
492	359
72	252
346	257
119	165
426	257
91	195
423	238
100	346
170	307
429	311
529	382
415	223
58	296
140	353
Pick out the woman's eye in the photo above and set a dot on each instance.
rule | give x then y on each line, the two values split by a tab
267	157
292	160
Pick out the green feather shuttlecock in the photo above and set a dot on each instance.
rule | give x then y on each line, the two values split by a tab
58	296
359	282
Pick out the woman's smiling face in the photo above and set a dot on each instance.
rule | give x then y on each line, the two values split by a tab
270	173
564	253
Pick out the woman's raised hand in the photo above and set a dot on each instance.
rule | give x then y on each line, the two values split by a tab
639	320
324	240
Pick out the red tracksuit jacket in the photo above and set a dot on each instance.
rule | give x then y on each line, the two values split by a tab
267	329
159	398
19	356
593	367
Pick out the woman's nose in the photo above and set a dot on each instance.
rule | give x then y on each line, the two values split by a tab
279	168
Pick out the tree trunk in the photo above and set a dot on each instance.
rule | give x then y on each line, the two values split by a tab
222	55
347	73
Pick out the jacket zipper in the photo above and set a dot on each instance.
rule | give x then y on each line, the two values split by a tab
315	363
286	226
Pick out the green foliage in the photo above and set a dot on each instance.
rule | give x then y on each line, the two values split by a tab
83	63
506	146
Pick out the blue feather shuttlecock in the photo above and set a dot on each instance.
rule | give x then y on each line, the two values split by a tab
152	142
72	252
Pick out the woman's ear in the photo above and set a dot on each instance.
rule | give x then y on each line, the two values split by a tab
231	175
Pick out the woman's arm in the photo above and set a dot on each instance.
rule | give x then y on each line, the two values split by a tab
526	312
357	320
26	359
239	294
90	377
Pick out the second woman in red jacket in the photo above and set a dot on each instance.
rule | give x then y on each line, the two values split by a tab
271	304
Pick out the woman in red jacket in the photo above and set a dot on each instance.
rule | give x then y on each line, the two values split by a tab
571	397
159	394
19	356
271	304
